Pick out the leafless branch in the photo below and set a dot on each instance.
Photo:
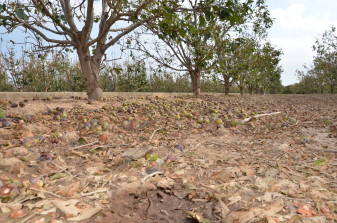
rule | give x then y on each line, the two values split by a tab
67	13
89	22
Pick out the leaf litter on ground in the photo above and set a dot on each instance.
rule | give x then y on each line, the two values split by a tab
213	158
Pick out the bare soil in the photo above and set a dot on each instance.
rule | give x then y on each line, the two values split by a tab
180	159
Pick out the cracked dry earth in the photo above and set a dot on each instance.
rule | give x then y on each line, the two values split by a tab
183	159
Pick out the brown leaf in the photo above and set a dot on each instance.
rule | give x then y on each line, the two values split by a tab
85	214
223	175
70	189
17	214
306	210
103	138
221	208
67	207
25	134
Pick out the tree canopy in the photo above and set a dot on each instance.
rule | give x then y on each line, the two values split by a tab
192	36
321	76
86	27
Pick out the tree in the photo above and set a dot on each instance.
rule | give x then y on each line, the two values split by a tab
265	75
234	53
246	61
235	58
309	83
190	39
321	75
325	61
79	26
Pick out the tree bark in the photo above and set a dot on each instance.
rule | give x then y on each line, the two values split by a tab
332	89
195	79
241	90
227	84
90	67
250	89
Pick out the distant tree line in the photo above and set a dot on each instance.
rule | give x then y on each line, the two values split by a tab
321	76
53	70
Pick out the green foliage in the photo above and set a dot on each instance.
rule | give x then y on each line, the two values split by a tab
2	111
319	162
52	71
195	34
198	35
21	14
321	76
266	73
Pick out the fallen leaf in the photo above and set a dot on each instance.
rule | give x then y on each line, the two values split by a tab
221	209
261	212
67	207
17	214
223	175
70	189
85	214
249	171
165	183
319	162
305	209
196	216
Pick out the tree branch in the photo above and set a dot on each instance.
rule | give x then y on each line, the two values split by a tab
88	23
38	3
67	12
137	11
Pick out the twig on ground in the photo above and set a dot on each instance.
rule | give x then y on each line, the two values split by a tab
79	154
85	145
103	146
94	192
260	115
324	150
149	205
47	192
307	199
28	217
9	147
63	169
152	175
293	173
154	132
215	143
107	181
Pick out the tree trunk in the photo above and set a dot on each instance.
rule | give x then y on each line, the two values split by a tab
195	78
241	90
90	70
250	89
227	85
332	88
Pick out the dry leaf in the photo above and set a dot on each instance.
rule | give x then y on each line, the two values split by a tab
221	208
223	175
70	189
67	207
196	216
85	214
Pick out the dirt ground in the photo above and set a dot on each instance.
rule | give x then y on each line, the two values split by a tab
269	158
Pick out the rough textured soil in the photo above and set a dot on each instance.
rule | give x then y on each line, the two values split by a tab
182	159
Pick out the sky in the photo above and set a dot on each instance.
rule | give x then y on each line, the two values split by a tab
297	24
